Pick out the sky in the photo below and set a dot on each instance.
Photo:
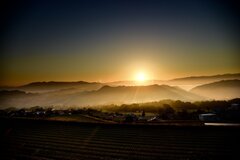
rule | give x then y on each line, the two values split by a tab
115	40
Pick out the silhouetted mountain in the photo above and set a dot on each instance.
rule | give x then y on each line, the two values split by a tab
105	95
226	89
84	93
127	94
53	86
53	83
13	92
203	79
185	82
15	98
135	83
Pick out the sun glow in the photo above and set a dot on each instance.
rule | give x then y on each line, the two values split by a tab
140	77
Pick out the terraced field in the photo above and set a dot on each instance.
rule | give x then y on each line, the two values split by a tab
78	118
28	139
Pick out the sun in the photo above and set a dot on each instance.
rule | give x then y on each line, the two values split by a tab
140	77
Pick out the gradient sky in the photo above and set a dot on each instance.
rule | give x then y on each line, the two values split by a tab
111	40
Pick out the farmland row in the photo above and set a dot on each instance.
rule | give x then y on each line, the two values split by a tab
32	140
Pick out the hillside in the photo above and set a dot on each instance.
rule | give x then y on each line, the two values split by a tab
55	86
105	95
205	79
186	83
92	93
79	86
129	94
16	98
226	89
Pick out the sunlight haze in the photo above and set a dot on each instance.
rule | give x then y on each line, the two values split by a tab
106	41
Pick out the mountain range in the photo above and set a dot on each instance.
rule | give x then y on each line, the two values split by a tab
103	96
225	89
94	94
186	83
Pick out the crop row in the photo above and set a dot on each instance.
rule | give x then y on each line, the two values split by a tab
72	142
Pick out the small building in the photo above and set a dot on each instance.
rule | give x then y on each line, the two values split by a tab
210	117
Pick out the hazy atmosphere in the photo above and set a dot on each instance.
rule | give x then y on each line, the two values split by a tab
115	40
120	79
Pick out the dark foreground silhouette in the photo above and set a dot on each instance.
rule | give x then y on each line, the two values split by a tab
39	139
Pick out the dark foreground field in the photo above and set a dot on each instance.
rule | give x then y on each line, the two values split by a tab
32	139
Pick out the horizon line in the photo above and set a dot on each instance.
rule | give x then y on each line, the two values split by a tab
117	81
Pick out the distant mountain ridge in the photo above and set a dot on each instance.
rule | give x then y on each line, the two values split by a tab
105	94
57	83
86	93
203	79
138	94
184	82
54	86
102	96
225	89
13	92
